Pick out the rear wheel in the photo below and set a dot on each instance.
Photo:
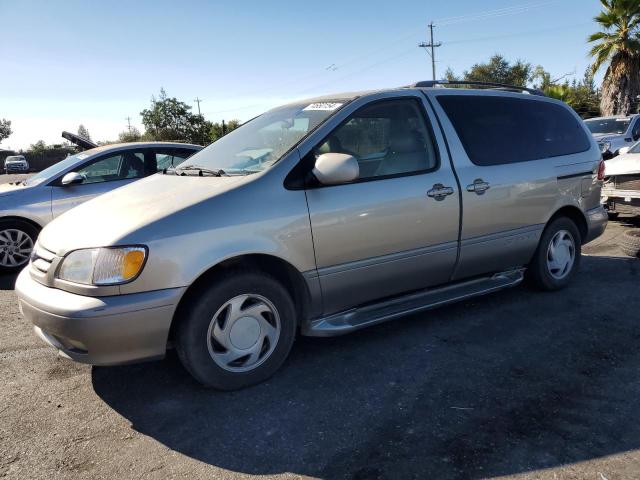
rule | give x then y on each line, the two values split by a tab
557	257
238	331
17	238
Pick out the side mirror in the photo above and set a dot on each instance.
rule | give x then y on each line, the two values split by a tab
336	168
624	150
72	178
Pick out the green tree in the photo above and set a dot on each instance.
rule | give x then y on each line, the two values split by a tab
132	135
450	75
618	45
499	70
171	120
83	132
38	147
217	131
5	129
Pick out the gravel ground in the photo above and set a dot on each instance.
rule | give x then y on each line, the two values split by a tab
517	384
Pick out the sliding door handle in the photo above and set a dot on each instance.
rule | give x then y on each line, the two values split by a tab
479	186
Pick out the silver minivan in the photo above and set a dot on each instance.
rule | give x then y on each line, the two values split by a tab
319	218
28	205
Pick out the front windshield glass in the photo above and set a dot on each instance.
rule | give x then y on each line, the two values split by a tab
608	125
258	144
55	169
635	148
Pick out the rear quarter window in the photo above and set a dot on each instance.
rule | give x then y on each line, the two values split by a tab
498	130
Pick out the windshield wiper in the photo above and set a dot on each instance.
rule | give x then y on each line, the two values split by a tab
201	171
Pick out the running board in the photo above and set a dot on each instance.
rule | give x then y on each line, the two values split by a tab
372	314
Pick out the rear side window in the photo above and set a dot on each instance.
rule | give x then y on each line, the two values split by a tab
497	130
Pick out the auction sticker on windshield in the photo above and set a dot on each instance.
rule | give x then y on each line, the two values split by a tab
324	106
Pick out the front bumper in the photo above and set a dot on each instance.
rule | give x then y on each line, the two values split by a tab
99	330
597	220
16	168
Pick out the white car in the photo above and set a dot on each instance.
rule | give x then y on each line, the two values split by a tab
614	133
621	190
16	163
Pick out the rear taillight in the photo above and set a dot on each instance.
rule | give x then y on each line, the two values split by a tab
601	170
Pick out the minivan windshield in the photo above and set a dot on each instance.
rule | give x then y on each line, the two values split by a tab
261	142
608	125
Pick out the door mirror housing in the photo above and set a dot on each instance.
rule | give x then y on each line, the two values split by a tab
336	168
72	178
624	150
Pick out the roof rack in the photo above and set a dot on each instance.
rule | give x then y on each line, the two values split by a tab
498	86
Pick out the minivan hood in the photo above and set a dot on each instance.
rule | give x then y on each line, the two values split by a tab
627	164
108	219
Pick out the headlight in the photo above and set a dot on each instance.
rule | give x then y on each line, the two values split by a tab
605	147
103	266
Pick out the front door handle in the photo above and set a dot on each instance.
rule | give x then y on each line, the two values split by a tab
479	186
440	192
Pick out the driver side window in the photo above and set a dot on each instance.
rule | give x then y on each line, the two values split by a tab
120	166
387	138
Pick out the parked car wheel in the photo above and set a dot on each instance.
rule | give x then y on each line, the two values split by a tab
17	238
557	257
630	243
238	331
613	215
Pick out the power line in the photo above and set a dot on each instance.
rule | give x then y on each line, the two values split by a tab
500	12
486	15
431	45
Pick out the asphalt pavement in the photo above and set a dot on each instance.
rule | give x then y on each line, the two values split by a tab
518	384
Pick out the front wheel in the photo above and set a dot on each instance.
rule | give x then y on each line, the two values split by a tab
17	238
238	331
557	257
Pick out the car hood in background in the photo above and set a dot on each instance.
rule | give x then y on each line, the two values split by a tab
627	164
11	188
115	217
607	136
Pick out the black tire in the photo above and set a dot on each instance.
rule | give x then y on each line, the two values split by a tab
15	225
193	332
630	243
538	273
613	215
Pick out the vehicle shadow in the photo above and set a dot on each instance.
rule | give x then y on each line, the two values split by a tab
508	383
8	281
629	221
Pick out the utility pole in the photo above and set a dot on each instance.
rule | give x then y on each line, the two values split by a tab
128	119
432	46
197	100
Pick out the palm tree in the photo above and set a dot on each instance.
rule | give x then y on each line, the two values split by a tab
619	44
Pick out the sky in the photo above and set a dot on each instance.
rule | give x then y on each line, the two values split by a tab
72	62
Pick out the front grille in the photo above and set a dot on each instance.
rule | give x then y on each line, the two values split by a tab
627	182
41	259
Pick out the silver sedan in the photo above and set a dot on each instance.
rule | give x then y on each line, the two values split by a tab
27	206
